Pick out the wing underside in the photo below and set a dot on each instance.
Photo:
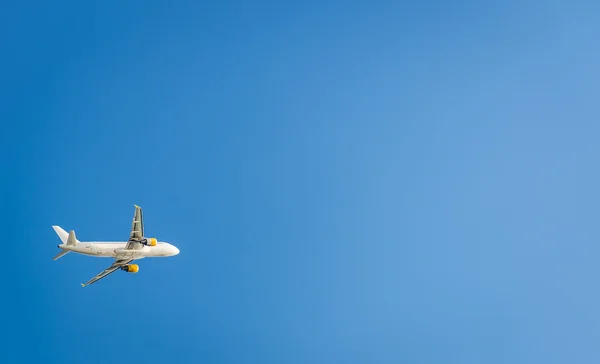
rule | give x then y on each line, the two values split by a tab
136	237
137	230
119	263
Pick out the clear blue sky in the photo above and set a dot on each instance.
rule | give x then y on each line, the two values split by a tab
347	182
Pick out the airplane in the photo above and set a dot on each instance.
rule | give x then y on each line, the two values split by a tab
137	247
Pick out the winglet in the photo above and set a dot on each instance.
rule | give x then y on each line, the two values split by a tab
136	206
82	285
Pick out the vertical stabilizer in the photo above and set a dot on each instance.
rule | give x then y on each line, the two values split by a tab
66	238
71	240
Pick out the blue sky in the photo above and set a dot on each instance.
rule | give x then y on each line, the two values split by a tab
347	182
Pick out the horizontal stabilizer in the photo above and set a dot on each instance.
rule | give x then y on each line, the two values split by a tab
63	235
62	253
66	238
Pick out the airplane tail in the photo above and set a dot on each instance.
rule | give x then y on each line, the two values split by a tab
67	238
61	254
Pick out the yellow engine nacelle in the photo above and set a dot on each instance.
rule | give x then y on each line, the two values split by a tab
132	268
151	241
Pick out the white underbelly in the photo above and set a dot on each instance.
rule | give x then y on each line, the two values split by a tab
89	249
128	254
118	252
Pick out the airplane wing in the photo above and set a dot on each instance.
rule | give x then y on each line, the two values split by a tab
137	230
116	265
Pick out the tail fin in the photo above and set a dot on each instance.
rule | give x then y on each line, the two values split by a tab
66	238
72	240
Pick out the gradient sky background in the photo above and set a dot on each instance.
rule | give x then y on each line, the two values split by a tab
347	182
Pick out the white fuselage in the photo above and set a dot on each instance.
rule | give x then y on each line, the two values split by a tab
117	250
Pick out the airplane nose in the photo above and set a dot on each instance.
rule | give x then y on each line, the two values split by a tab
175	250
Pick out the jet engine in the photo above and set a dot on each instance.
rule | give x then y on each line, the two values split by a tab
131	268
150	242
